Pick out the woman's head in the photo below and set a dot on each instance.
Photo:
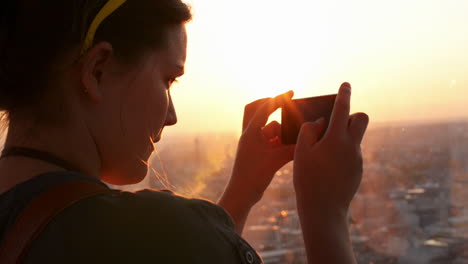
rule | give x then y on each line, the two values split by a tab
118	87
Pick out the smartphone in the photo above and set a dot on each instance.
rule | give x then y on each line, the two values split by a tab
298	111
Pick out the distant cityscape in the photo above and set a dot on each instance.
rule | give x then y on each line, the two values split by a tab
412	206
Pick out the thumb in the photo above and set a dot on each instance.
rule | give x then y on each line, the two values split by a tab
310	133
357	126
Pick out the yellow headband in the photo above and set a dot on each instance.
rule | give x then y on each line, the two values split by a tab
106	11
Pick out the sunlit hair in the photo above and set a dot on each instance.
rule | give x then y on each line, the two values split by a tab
161	177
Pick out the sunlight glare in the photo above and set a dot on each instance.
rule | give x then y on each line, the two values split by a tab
241	51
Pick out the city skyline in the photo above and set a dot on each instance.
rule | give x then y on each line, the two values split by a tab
410	208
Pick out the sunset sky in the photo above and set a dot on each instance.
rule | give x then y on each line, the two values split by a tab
406	59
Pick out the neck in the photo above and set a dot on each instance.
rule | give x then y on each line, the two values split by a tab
71	142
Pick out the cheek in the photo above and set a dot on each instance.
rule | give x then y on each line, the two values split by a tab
145	112
136	114
155	110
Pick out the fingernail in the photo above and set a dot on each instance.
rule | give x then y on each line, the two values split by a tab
289	93
286	96
320	120
346	86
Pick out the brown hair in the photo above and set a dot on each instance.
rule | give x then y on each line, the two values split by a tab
34	35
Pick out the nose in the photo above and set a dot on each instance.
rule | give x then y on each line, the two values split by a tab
171	118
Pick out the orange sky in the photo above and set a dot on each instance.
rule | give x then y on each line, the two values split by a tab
406	60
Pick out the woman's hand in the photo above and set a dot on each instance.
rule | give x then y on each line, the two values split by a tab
259	155
328	172
260	152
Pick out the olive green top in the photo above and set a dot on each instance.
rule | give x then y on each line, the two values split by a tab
148	226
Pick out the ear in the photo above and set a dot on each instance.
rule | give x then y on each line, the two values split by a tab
94	63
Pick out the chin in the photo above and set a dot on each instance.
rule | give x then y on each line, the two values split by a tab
156	138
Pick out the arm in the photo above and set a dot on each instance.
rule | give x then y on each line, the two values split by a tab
325	234
237	206
327	174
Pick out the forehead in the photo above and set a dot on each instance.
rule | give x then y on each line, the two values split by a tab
176	51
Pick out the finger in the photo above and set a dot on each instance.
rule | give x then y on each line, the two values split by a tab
272	130
285	153
310	133
340	114
261	116
250	110
357	126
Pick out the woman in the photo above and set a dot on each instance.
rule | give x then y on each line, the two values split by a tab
85	85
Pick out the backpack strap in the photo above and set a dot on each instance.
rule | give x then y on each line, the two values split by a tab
37	215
